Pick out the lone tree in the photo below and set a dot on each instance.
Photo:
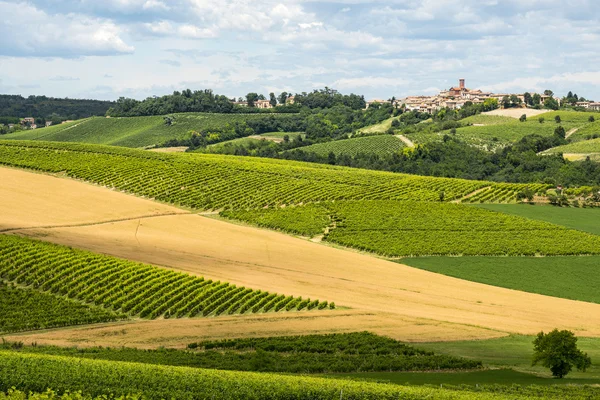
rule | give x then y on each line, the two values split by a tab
558	351
557	119
560	132
523	118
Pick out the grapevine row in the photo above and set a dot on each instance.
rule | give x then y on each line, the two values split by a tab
127	287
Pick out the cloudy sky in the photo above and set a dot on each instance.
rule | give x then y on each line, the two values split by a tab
138	48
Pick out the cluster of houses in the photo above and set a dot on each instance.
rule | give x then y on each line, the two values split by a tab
455	98
29	123
589	105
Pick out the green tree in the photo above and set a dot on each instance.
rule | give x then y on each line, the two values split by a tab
558	351
272	99
251	98
592	119
551	103
523	118
537	99
560	131
528	98
541	119
548	92
557	119
506	102
283	98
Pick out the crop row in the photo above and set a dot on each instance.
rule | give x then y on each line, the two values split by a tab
33	372
25	309
217	182
130	288
503	193
380	145
396	228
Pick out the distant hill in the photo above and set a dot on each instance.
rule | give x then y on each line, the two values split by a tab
155	130
49	107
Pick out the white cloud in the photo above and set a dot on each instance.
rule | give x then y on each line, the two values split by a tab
369	81
155	5
28	31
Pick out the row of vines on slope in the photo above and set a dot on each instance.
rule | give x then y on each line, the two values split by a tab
33	372
131	288
401	228
221	182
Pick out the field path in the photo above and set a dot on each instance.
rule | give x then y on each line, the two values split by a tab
475	193
382	296
571	132
407	141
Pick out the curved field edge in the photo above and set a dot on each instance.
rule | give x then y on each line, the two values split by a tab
32	372
131	288
217	182
573	278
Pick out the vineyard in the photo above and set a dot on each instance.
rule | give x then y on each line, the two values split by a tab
352	352
582	147
380	145
130	288
392	228
25	309
37	373
494	132
502	193
148	131
225	182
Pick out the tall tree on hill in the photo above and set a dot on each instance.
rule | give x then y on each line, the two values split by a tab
283	98
536	99
548	92
528	98
272	99
251	98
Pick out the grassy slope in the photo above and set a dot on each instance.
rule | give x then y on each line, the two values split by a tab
582	147
380	145
381	127
575	278
133	131
501	131
512	354
583	219
515	351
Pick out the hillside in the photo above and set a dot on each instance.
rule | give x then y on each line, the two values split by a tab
155	130
380	145
215	181
584	147
46	107
491	132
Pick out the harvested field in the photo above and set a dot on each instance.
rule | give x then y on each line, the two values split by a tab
391	299
33	200
515	112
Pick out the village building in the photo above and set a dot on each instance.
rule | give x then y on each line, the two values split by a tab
594	106
263	104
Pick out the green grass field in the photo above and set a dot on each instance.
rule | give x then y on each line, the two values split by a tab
583	219
574	277
137	131
484	119
381	127
516	351
380	145
581	147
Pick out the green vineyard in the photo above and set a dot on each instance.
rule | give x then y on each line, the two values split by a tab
152	130
502	193
226	182
130	288
394	229
37	373
25	309
380	145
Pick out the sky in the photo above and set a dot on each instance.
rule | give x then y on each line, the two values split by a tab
105	49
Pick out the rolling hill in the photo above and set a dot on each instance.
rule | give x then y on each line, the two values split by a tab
151	131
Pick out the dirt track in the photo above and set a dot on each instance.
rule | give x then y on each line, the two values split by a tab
388	298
